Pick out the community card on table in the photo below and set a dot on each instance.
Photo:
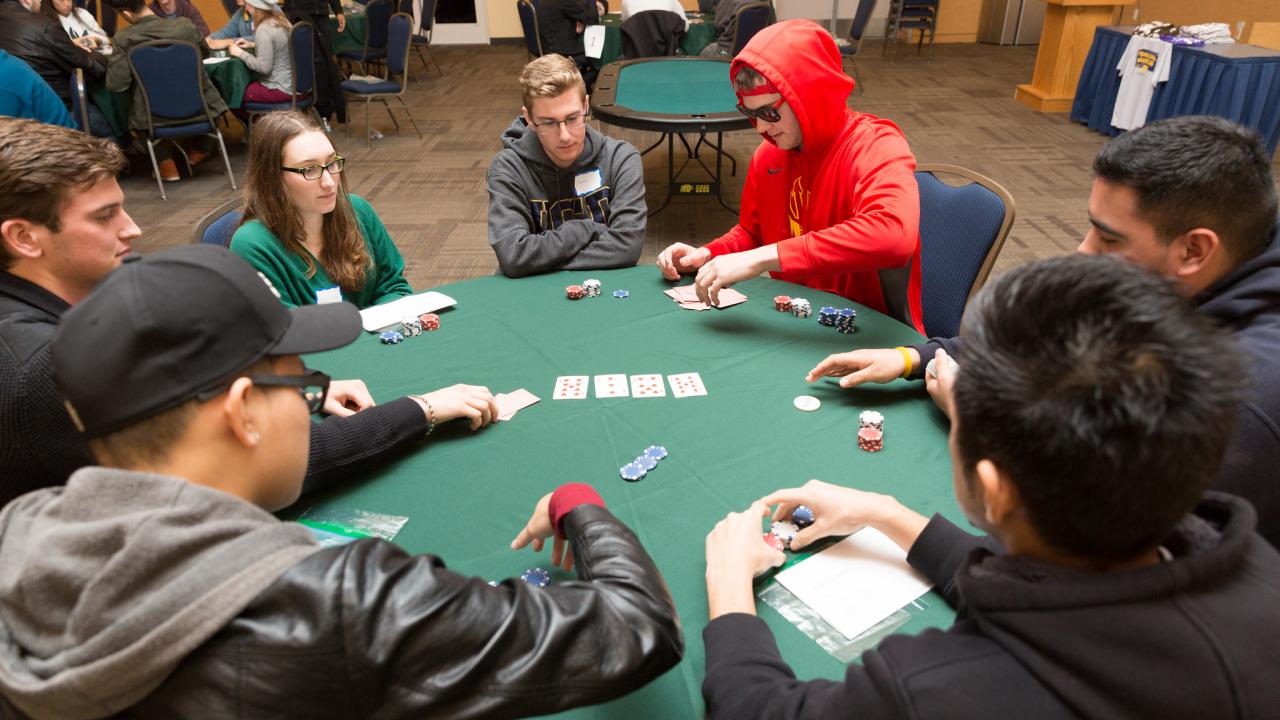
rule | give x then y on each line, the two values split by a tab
608	386
686	385
647	386
570	387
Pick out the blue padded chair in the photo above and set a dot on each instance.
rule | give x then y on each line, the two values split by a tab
171	76
392	84
218	226
918	15
79	100
421	38
849	49
962	229
529	24
749	20
302	60
376	14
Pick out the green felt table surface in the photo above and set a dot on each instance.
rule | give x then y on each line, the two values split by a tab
351	39
683	86
700	34
467	495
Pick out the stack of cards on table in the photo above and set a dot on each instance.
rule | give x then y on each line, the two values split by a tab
574	387
687	298
513	402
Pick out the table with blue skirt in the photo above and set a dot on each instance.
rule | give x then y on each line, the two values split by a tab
1237	82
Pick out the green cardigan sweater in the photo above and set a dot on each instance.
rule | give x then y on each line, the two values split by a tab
287	271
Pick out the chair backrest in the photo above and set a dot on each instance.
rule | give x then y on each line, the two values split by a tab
749	20
399	38
79	99
861	17
302	55
426	20
170	75
529	23
219	225
962	230
377	14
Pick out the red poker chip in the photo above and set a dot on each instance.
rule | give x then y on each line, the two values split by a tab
575	292
782	303
775	542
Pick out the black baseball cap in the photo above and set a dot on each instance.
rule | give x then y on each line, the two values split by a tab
161	330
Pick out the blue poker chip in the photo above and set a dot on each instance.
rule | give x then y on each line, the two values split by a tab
646	462
632	472
536	577
621	293
657	452
802	516
391	337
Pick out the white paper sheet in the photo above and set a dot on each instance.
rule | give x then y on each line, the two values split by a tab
376	317
856	583
593	40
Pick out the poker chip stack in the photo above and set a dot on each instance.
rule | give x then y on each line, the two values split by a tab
430	321
827	316
871	430
774	542
871	418
391	337
591	287
802	516
845	319
575	292
782	303
635	470
412	327
801	308
784	531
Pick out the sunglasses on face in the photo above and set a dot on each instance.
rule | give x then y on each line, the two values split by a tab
767	113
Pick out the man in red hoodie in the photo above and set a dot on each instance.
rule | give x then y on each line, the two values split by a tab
830	200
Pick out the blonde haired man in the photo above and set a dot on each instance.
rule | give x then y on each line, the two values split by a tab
561	195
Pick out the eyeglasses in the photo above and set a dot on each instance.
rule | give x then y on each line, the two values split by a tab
767	113
312	172
573	122
312	384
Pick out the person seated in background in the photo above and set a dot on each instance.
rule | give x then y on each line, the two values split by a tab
561	195
302	230
271	60
24	94
63	228
144	25
1090	416
181	9
635	7
1191	198
40	41
237	31
195	449
560	25
79	23
725	11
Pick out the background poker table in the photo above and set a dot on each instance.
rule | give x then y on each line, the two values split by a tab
468	494
701	32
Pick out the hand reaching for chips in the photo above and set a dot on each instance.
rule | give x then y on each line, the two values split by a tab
840	511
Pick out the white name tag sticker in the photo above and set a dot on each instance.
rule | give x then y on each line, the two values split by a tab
588	181
329	295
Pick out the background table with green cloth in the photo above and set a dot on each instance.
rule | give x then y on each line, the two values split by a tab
351	39
230	77
467	494
698	36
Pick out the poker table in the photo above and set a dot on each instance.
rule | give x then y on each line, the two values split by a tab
701	32
351	39
468	494
230	77
673	95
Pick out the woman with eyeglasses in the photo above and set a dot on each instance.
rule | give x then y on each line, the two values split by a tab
301	229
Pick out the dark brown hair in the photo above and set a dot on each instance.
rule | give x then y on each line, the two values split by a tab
345	258
41	165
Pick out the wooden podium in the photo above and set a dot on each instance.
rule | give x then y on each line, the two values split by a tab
1064	43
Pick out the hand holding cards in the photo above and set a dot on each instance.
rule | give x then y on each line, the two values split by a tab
687	297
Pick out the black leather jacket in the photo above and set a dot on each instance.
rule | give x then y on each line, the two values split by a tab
45	46
366	630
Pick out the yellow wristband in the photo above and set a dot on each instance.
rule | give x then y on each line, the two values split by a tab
906	359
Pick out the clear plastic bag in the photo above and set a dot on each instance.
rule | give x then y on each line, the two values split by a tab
337	525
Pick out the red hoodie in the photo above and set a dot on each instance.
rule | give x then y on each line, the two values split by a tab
844	209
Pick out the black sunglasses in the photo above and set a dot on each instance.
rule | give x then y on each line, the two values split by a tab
767	113
313	384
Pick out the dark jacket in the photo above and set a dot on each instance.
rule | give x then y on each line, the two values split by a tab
39	447
652	33
45	46
1195	637
154	27
1247	303
557	24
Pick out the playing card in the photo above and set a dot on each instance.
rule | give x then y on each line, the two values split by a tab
511	403
608	386
570	387
695	305
729	297
647	386
686	385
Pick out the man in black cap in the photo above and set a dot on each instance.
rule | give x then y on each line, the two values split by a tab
63	228
165	588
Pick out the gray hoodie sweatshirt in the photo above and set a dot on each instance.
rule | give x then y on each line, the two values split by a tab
108	583
542	218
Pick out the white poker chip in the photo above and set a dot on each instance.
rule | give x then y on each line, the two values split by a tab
807	403
932	368
785	530
871	418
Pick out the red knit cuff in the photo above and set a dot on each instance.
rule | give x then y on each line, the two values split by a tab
567	497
